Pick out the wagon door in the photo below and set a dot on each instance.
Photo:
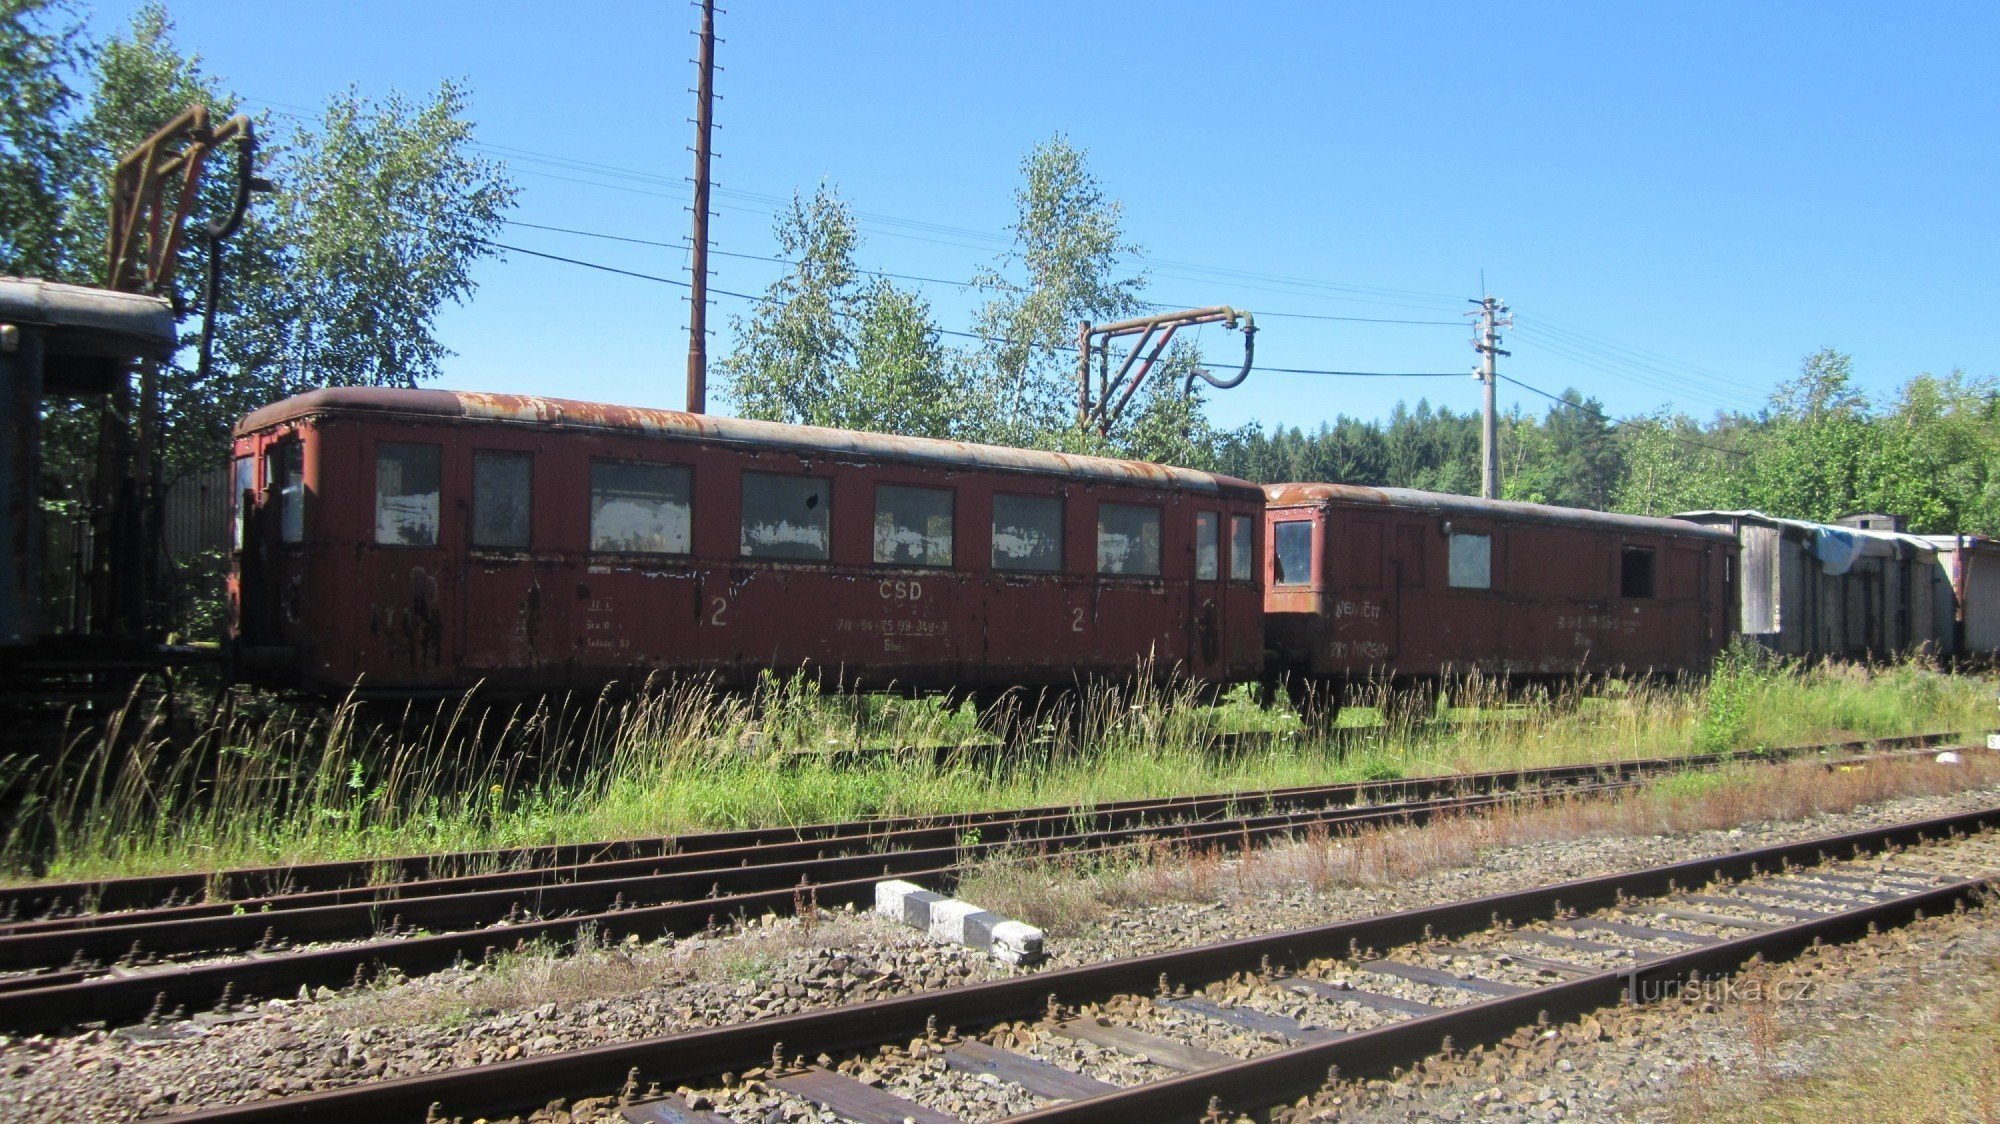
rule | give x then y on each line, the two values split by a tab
1208	608
411	583
1363	608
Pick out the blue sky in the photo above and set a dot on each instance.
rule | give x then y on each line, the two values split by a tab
1678	202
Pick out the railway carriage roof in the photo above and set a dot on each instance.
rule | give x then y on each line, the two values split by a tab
1872	543
558	413
1445	503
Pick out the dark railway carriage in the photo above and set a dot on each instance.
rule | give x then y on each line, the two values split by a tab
424	541
1372	584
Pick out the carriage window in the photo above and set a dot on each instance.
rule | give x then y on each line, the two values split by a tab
406	493
286	463
1128	540
1471	561
502	487
913	525
245	479
1635	578
1242	549
640	508
1292	553
1027	533
785	516
1207	548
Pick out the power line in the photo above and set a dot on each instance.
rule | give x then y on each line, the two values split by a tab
954	332
943	280
1613	422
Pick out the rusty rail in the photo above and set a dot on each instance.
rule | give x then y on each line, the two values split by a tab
510	1087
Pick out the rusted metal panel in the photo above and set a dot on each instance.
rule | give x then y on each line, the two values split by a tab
1412	584
441	613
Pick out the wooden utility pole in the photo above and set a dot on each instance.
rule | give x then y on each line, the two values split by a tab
1493	315
704	123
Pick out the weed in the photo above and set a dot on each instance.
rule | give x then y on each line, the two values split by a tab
255	782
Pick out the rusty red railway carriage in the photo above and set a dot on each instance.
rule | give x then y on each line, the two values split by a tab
419	541
1371	584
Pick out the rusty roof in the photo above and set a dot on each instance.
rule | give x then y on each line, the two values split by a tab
560	413
1446	503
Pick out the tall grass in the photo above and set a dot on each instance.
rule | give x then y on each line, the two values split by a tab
248	783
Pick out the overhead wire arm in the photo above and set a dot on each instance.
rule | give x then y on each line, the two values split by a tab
1150	336
1249	356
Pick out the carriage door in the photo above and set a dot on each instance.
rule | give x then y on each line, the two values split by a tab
1365	604
270	529
1208	608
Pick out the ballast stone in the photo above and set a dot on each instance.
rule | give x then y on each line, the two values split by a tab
961	922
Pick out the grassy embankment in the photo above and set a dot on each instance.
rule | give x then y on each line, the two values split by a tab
251	787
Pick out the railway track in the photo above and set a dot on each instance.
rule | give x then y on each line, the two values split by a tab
1237	1026
122	966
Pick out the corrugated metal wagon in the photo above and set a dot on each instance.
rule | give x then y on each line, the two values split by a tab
1389	584
423	541
1971	564
1823	591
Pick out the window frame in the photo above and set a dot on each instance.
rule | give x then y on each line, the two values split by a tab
951	522
242	478
1277	539
1247	574
1061	505
1159	546
590	511
743	514
472	523
1450	558
1626	553
437	527
1213	521
286	452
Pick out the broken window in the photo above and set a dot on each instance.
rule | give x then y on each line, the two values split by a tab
1242	549
785	516
913	525
1635	576
1027	533
1292	553
1470	565
406	493
286	463
641	508
1207	546
502	487
1128	540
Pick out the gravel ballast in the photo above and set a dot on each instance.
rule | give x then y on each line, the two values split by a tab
536	1004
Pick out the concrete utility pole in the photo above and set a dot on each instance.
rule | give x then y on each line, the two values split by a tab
704	123
1493	315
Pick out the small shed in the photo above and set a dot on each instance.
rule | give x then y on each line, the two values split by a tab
1820	590
1971	565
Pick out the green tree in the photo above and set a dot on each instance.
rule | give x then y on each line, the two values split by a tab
1933	454
826	347
1067	248
1569	458
41	48
380	212
1672	464
1807	463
